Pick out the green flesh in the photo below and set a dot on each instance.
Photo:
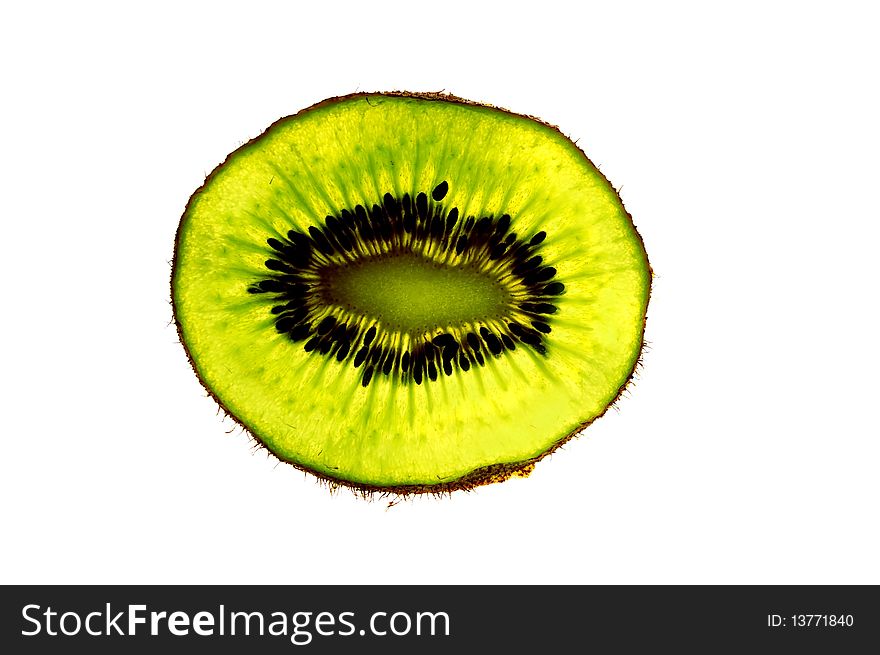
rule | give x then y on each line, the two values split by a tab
409	294
313	411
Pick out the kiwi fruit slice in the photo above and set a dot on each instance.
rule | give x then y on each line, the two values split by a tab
410	292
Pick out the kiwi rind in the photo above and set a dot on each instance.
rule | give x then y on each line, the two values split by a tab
478	476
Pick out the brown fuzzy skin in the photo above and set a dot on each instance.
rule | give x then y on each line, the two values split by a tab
477	477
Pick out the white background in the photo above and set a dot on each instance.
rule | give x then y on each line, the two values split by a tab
746	144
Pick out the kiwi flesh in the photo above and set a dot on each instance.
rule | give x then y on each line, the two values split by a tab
410	292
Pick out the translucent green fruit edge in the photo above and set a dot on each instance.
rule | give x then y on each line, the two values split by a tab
452	432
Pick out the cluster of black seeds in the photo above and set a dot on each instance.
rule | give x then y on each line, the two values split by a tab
400	225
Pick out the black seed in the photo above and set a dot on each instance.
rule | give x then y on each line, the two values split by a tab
538	307
450	351
529	336
300	332
275	244
368	375
443	340
464	363
510	238
516	328
440	191
361	356
451	219
518	253
538	238
417	372
553	289
363	223
483	225
299	239
540	326
278	309
275	265
299	258
473	341
437	226
422	205
286	323
311	344
535	277
380	223
461	245
409	223
276	286
342	353
325	346
342	239
347	219
326	325
404	361
508	342
469	223
295	292
366	231
368	337
385	222
503	224
493	343
447	366
391	205
334	226
498	251
432	371
297	315
282	267
525	267
545	273
360	215
353	332
424	226
389	363
480	360
320	240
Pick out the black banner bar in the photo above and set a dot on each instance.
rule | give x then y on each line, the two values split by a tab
419	619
